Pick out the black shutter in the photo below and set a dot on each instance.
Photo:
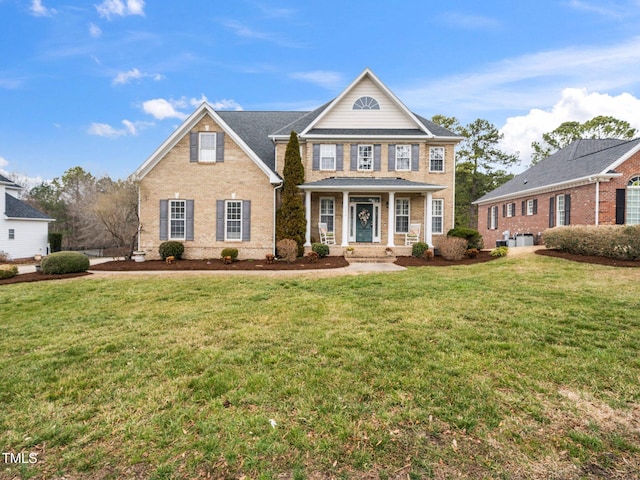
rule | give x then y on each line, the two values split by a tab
315	163
220	147
392	158
524	208
504	210
496	211
339	157
535	206
621	199
193	147
489	218
354	156
189	215
415	157
552	212
246	220
220	220
377	157
164	219
567	209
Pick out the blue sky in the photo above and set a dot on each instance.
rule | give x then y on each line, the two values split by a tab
102	84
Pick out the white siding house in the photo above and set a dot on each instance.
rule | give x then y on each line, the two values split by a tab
23	229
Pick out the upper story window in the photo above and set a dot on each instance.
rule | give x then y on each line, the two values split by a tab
365	157
403	157
327	157
436	159
207	147
366	103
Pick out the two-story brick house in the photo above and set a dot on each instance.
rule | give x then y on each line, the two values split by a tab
372	168
589	182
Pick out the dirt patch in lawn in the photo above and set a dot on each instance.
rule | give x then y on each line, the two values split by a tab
438	261
611	262
302	263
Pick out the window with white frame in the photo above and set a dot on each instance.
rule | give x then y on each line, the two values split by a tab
560	213
233	220
366	103
632	206
511	207
328	213
530	209
402	215
365	157
12	234
437	215
177	219
403	157
207	147
327	157
493	218
436	159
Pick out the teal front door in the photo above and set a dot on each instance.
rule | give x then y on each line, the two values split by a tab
364	222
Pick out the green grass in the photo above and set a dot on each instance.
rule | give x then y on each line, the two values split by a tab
523	367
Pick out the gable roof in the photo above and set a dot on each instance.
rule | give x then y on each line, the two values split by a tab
8	183
581	161
16	209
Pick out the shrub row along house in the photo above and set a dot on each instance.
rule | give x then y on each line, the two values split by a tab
23	229
372	169
589	182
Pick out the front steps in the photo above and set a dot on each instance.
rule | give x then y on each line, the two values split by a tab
369	253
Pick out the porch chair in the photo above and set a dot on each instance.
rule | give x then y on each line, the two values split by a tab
413	235
326	237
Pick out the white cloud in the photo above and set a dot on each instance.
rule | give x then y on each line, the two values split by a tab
161	109
226	105
94	30
106	130
3	162
330	80
575	104
125	77
117	7
40	10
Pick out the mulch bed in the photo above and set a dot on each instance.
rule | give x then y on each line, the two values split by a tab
611	262
217	264
438	261
40	277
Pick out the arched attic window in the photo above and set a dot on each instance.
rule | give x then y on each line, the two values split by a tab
633	201
366	103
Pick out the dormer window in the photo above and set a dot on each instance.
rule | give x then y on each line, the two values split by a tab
366	103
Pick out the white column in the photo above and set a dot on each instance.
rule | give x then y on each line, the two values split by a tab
428	224
390	219
307	213
345	219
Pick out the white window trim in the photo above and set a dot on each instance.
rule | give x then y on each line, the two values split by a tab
226	221
213	151
494	218
183	220
408	215
327	151
560	214
408	149
529	207
360	169
333	215
441	216
510	209
431	150
632	202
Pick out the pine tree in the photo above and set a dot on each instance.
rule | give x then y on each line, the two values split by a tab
290	217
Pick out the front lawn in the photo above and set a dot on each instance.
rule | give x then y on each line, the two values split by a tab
517	368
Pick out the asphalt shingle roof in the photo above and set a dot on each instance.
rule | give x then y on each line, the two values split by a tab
15	208
9	183
580	159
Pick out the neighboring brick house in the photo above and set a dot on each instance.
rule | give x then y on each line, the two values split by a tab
589	182
372	168
23	229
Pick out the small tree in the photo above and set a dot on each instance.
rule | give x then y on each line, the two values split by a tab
290	217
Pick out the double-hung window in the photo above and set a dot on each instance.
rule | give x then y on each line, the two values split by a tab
492	223
327	157
402	215
365	157
177	219
529	207
233	220
12	234
511	208
633	201
403	157
436	159
437	214
207	147
560	213
327	213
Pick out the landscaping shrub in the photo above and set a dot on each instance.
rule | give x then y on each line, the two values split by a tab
8	271
321	249
4	256
171	249
500	252
453	248
287	249
418	249
472	236
230	252
621	242
55	241
65	262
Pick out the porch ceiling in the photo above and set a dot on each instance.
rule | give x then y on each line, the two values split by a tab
357	184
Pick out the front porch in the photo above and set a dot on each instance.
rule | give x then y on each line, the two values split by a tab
368	253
